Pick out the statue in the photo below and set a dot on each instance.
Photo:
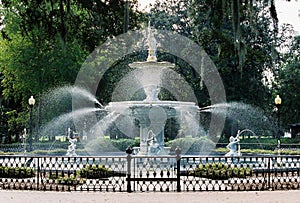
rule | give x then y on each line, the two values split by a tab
233	146
151	46
23	139
72	146
153	145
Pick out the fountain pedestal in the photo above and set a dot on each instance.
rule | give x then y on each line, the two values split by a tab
152	139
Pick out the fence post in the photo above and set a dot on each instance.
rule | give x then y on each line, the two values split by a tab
129	151
38	173
178	158
269	173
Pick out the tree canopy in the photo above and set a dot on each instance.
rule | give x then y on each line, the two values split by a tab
44	43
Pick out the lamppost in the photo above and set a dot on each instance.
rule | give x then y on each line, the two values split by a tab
277	104
31	102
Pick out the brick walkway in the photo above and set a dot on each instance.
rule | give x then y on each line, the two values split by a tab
157	197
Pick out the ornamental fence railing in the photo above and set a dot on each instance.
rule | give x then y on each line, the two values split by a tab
133	173
47	147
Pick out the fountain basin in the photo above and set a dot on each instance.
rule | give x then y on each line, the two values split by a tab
151	117
119	107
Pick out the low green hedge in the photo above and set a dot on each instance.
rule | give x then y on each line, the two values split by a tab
190	145
71	180
261	143
101	144
95	172
262	151
16	172
220	171
79	177
122	144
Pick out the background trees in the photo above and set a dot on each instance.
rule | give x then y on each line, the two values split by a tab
44	43
287	83
241	37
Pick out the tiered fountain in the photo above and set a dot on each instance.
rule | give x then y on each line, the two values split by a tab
152	113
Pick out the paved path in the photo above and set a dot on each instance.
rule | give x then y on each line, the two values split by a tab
292	196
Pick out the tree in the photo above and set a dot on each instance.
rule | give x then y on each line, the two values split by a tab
56	36
234	35
241	37
44	43
287	82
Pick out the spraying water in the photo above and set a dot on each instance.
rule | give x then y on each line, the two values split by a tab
63	122
244	116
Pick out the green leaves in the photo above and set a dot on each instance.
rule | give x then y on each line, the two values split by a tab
16	172
221	171
30	69
287	82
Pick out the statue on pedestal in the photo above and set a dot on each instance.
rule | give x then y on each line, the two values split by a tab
233	146
72	146
153	145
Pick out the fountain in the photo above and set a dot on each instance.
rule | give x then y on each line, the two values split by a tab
151	113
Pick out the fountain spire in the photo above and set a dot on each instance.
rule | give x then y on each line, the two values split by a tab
151	45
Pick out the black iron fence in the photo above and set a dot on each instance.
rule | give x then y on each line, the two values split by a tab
149	173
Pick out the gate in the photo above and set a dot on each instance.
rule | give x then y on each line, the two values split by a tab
153	173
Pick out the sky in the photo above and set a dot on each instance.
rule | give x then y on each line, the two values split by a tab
288	12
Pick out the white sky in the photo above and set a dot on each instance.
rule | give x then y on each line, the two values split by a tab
288	12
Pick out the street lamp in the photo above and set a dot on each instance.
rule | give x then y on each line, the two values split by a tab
31	102
277	104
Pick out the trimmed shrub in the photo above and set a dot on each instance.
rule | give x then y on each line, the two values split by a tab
70	180
95	172
190	145
220	171
110	145
16	172
122	144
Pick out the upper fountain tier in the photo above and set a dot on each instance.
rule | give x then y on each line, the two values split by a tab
150	76
151	59
150	72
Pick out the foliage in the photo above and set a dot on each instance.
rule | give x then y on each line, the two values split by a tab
87	172
95	172
192	145
16	121
16	172
234	35
110	145
49	64
50	152
90	21
7	153
66	180
261	145
44	43
252	143
122	144
284	151
287	83
220	171
3	122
